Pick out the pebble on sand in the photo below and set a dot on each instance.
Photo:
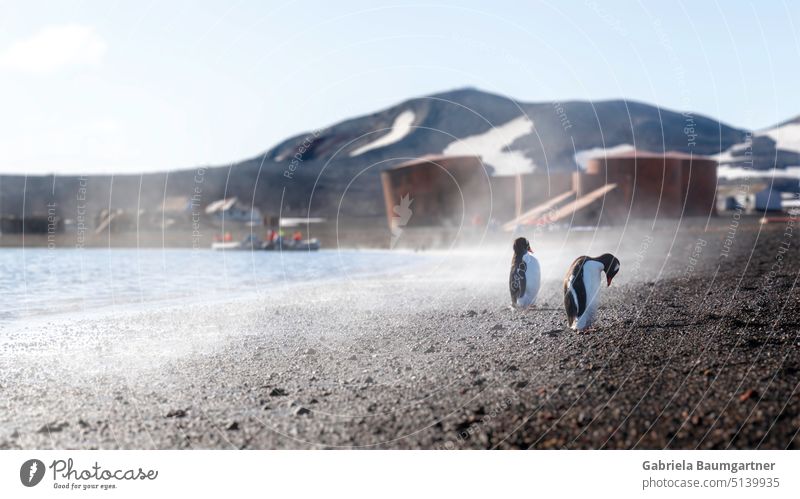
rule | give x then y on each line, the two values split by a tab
53	427
301	411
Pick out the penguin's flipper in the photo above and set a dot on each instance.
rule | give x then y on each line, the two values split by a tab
517	281
574	290
570	306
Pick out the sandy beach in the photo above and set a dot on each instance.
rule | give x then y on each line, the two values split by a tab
696	346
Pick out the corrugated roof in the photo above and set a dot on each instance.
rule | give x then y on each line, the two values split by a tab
639	153
433	158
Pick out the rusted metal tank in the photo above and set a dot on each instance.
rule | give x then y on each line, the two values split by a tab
654	185
441	190
456	190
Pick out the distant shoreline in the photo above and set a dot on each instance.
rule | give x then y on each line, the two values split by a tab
371	233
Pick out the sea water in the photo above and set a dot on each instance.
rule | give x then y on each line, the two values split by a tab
39	282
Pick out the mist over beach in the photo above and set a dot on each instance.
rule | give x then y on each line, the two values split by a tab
422	351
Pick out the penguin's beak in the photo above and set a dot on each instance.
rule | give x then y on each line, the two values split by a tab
608	280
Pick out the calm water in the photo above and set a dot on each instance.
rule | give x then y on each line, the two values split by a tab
37	282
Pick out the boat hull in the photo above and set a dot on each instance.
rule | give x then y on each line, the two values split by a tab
307	245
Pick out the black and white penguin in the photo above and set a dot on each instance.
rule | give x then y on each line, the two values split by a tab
582	287
525	275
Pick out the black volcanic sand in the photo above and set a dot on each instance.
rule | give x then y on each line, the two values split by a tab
686	354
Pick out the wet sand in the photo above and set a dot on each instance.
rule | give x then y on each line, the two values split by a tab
696	346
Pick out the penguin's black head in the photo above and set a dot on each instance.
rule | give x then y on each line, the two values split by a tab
610	265
521	246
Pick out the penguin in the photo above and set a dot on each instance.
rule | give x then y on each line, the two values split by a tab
582	287
525	275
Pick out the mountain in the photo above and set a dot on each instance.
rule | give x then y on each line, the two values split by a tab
776	147
335	170
512	136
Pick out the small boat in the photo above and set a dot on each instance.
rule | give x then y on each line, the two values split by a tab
226	245
251	243
304	245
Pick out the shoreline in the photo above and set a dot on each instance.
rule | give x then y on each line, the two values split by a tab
132	294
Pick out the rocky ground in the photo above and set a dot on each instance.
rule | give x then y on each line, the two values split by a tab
696	346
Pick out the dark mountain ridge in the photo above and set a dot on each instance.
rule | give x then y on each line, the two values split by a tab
332	171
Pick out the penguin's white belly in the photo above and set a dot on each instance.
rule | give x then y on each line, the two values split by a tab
592	279
532	281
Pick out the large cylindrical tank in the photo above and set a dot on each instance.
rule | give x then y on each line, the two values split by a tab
660	185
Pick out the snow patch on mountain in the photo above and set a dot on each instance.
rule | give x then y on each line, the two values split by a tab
400	128
786	137
493	146
733	172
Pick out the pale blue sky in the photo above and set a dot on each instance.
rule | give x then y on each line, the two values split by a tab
130	86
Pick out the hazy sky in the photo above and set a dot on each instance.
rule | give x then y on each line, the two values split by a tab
130	86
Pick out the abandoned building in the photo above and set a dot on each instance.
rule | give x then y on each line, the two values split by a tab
231	210
31	224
